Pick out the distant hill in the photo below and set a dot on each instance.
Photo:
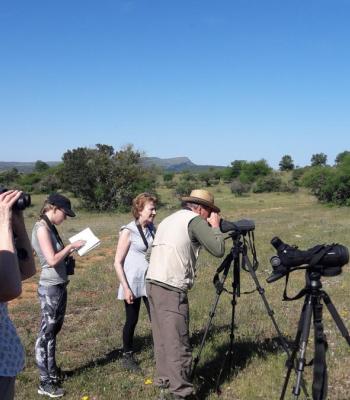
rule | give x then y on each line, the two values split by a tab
175	164
25	167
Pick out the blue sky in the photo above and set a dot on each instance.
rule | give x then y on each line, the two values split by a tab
212	80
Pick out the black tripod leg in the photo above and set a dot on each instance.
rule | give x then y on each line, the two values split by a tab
291	359
219	288
336	317
305	331
235	293
320	379
270	312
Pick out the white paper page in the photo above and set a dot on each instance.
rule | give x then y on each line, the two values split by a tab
91	240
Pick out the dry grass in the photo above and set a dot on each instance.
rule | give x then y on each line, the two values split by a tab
89	344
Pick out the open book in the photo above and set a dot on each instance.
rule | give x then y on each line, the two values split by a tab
91	241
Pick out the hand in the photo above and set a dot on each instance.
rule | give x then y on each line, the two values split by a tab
79	243
214	219
129	296
7	200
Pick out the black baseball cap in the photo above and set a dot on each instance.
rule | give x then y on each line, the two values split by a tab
61	202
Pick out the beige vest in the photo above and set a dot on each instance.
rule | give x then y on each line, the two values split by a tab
174	256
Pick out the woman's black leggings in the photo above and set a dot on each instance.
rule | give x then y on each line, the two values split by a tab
132	316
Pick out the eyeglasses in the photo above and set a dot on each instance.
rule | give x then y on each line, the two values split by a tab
63	212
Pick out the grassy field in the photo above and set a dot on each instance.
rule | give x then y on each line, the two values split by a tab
89	346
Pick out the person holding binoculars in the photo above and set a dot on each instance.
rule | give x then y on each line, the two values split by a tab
16	264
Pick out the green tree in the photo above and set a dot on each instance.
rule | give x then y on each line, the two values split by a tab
341	156
41	166
286	163
226	174
318	159
9	177
251	171
233	171
236	167
104	179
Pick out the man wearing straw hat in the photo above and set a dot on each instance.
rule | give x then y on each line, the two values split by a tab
170	275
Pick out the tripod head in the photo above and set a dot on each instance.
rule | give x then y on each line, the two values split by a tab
242	235
313	280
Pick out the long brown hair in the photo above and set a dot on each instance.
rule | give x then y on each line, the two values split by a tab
45	208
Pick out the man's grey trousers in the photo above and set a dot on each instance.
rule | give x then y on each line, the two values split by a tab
170	329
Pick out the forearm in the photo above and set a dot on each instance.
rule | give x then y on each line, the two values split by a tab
210	238
120	255
55	258
10	278
121	275
6	238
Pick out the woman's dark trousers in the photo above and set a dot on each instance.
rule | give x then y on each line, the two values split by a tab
132	316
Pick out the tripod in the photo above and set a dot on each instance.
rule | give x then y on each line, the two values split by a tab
312	307
237	257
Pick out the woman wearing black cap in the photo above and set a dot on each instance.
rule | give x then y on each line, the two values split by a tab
52	289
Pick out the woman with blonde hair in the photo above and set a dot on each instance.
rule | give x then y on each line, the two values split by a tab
56	264
131	267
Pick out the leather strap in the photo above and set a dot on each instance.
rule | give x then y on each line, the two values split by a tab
142	234
53	229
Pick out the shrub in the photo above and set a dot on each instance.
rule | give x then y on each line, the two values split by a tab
205	178
238	188
251	171
170	184
184	188
289	187
168	176
298	173
9	177
188	177
315	179
269	183
28	182
48	184
331	185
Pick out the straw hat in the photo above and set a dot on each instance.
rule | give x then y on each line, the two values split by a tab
203	197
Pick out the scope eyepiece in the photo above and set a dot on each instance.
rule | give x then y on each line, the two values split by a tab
277	242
